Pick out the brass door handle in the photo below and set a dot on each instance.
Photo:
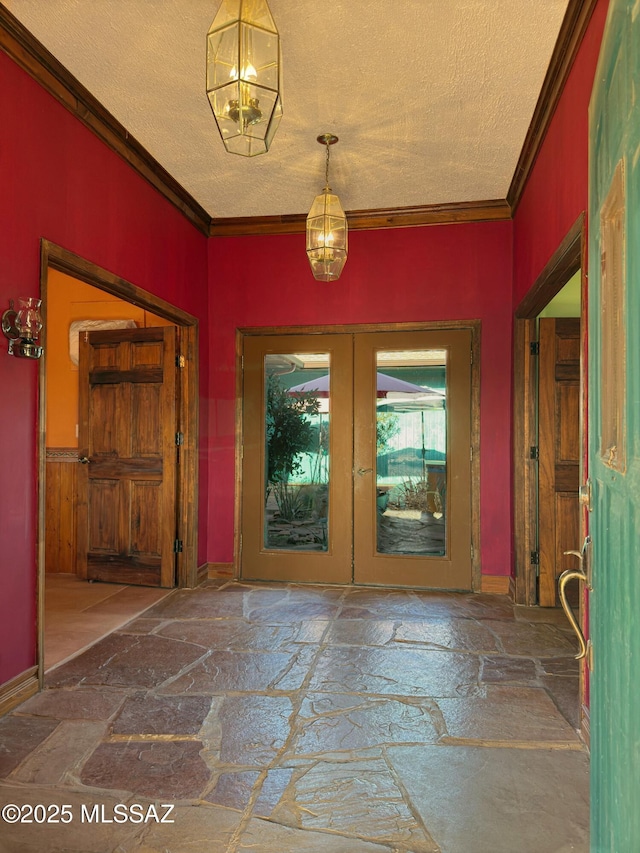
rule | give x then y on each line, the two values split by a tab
84	460
565	577
362	471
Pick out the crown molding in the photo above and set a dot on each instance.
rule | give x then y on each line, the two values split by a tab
574	26
364	220
27	52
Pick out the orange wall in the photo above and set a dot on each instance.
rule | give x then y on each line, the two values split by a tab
67	300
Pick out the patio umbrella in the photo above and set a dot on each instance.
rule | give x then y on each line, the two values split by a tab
386	385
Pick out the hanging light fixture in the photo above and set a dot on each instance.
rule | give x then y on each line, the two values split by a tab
327	228
244	75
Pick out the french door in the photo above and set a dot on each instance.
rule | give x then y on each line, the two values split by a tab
356	458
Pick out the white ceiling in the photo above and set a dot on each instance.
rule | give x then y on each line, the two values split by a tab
431	99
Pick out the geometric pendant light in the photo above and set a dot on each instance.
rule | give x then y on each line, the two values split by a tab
244	75
327	231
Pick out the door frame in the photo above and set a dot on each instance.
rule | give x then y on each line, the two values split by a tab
474	326
568	258
55	257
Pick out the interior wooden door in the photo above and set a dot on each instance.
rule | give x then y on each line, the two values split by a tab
559	452
128	455
357	475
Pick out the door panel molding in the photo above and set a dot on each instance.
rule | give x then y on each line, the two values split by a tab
474	326
55	257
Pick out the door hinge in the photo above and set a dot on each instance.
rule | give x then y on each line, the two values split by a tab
534	347
534	452
179	439
180	361
177	546
535	558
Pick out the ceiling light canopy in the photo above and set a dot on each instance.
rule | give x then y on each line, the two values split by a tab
327	228
244	75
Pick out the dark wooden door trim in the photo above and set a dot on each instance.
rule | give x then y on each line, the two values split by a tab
55	257
565	262
475	326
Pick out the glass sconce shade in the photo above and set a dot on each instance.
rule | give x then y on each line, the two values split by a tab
22	328
244	76
327	236
28	319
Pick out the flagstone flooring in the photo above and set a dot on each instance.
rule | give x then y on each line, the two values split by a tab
295	719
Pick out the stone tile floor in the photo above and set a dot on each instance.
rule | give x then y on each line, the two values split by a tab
306	719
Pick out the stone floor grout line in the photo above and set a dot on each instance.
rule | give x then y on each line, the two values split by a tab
296	706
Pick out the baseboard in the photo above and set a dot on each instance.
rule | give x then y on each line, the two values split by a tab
498	585
18	690
585	725
220	570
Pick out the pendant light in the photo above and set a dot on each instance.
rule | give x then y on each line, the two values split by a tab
244	75
327	227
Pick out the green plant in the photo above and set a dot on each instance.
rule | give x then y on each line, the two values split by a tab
416	494
289	433
387	426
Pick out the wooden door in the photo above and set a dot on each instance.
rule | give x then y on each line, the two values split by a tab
614	433
559	450
127	447
350	504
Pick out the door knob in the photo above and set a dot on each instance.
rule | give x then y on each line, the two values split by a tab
84	460
362	471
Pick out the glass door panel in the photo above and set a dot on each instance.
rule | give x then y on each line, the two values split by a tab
411	452
297	451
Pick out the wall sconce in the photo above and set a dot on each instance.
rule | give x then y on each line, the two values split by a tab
244	75
327	228
22	328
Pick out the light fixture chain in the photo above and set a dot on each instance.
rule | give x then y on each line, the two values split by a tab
326	168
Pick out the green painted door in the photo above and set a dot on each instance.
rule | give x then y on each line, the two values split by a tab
614	433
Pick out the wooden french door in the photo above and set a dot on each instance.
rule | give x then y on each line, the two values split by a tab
126	511
356	458
614	433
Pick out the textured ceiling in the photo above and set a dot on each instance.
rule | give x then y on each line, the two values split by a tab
431	99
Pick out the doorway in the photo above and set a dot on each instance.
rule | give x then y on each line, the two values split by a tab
183	410
356	457
550	460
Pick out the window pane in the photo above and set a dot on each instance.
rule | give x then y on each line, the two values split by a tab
296	476
411	458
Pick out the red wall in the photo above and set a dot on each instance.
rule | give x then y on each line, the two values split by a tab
60	182
557	190
412	274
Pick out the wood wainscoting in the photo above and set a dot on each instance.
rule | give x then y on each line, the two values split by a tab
60	509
